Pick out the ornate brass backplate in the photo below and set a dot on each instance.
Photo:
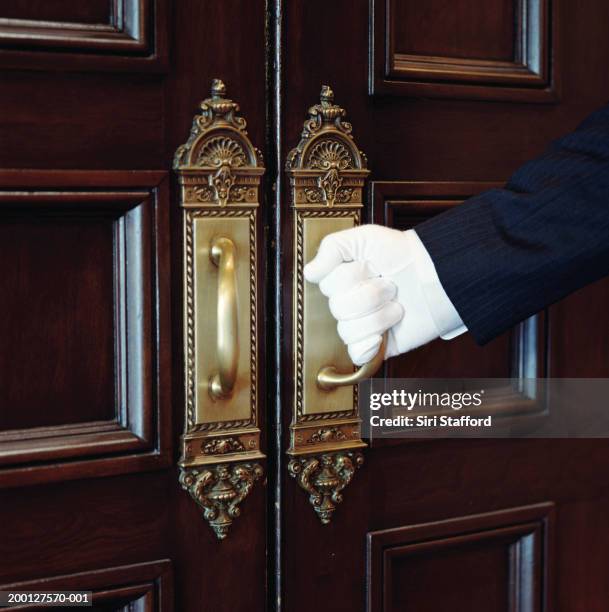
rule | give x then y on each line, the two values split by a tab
219	173
327	176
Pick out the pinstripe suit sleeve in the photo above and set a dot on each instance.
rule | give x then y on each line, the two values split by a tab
508	253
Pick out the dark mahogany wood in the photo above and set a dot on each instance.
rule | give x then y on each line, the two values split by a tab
142	586
504	49
90	120
91	12
80	356
459	30
87	135
55	260
494	561
431	143
113	35
218	40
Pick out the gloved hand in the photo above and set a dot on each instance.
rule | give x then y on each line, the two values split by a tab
370	276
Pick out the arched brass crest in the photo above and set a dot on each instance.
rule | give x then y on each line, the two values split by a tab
219	173
327	175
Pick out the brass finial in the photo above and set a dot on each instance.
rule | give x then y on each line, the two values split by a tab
218	105
327	95
218	89
326	110
215	111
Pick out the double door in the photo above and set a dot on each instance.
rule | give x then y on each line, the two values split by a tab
164	441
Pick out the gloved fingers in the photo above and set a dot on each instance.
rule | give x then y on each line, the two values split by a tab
384	249
363	351
364	298
375	323
343	246
345	277
329	255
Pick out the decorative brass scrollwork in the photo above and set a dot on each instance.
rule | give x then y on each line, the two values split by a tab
219	173
327	176
219	490
323	477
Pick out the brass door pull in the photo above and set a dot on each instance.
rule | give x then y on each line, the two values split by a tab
219	172
224	254
327	173
328	378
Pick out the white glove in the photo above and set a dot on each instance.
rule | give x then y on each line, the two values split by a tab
379	279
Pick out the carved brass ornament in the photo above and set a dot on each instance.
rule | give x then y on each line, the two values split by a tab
219	489
219	173
323	477
327	174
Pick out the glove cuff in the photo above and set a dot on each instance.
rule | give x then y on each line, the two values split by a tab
445	316
417	327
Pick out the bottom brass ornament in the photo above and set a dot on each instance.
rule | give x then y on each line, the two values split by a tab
219	489
323	477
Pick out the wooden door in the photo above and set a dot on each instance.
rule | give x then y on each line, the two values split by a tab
447	99
95	97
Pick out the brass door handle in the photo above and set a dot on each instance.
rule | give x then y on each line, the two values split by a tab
219	173
327	174
223	253
328	378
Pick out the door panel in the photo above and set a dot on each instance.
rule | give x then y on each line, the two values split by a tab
84	337
114	35
143	586
494	561
436	129
501	50
94	103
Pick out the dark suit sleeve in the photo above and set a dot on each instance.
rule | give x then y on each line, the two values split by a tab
507	253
